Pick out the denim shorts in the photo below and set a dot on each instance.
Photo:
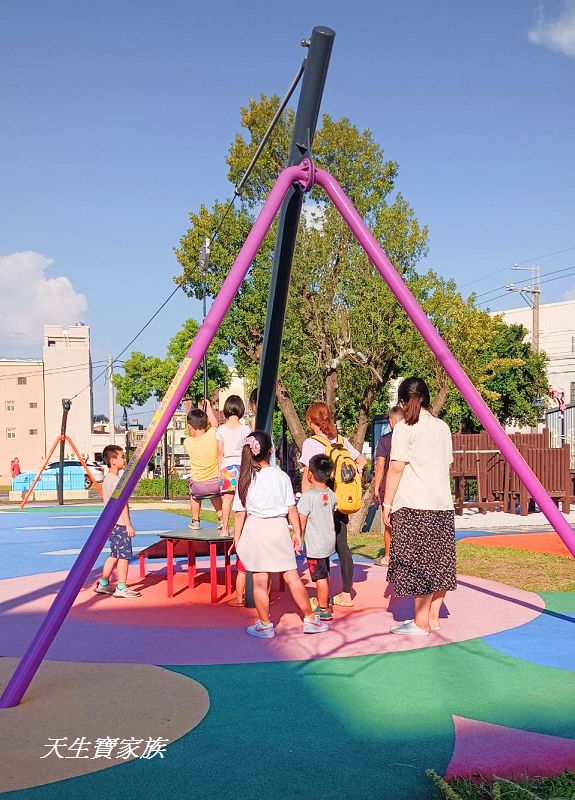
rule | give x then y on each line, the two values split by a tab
120	543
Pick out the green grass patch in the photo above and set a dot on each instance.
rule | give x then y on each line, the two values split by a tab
559	787
532	572
207	515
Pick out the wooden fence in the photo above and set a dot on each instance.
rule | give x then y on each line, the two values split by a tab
496	486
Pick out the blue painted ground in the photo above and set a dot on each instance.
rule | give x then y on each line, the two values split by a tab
548	640
38	540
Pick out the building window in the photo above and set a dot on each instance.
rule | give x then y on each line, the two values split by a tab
33	405
573	394
51	343
33	431
10	433
10	405
22	381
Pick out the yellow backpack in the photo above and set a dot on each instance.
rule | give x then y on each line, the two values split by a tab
346	478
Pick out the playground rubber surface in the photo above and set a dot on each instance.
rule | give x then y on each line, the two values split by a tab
352	713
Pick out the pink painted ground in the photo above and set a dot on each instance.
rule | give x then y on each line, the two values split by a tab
189	630
495	750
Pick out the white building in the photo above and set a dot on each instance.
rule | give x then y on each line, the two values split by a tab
67	373
556	339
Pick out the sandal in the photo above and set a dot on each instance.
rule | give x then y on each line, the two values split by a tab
337	601
235	603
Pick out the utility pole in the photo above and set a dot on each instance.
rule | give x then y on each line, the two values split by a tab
112	422
533	301
532	296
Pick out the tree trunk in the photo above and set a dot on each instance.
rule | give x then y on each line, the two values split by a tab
439	401
357	520
330	387
288	410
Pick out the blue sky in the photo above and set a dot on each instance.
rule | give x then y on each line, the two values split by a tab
117	117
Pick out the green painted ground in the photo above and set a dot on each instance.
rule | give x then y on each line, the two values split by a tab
350	728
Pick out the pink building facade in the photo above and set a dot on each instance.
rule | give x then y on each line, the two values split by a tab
22	417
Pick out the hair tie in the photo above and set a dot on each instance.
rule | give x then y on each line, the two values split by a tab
253	444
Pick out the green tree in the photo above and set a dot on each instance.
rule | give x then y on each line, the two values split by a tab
500	363
343	331
149	376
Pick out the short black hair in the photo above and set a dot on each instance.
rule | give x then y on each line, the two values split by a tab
234	407
110	451
321	467
254	396
198	419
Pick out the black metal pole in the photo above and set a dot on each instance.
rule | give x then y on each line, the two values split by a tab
66	406
317	63
306	116
166	466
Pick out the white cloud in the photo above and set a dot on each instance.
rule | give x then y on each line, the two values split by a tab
556	31
29	299
570	293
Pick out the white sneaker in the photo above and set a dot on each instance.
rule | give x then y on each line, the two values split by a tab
194	525
431	627
315	625
126	592
409	628
261	631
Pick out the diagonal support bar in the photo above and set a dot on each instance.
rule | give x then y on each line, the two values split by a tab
78	574
444	355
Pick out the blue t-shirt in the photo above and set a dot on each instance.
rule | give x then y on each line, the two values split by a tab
318	506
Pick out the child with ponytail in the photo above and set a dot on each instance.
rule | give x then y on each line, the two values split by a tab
263	504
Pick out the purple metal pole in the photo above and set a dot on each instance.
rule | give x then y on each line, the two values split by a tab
445	356
76	578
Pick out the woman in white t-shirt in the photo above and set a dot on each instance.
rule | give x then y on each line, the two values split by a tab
262	505
320	420
419	506
230	438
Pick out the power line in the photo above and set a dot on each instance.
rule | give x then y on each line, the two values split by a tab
131	342
237	193
49	371
524	261
553	272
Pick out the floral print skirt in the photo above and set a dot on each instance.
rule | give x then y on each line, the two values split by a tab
422	557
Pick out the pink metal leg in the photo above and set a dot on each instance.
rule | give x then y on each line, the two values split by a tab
142	566
213	573
170	567
228	569
191	565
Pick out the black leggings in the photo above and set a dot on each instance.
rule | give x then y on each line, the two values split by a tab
343	551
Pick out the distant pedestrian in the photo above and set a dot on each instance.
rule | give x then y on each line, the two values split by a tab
15	467
419	508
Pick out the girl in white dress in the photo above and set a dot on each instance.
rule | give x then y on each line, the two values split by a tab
263	504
